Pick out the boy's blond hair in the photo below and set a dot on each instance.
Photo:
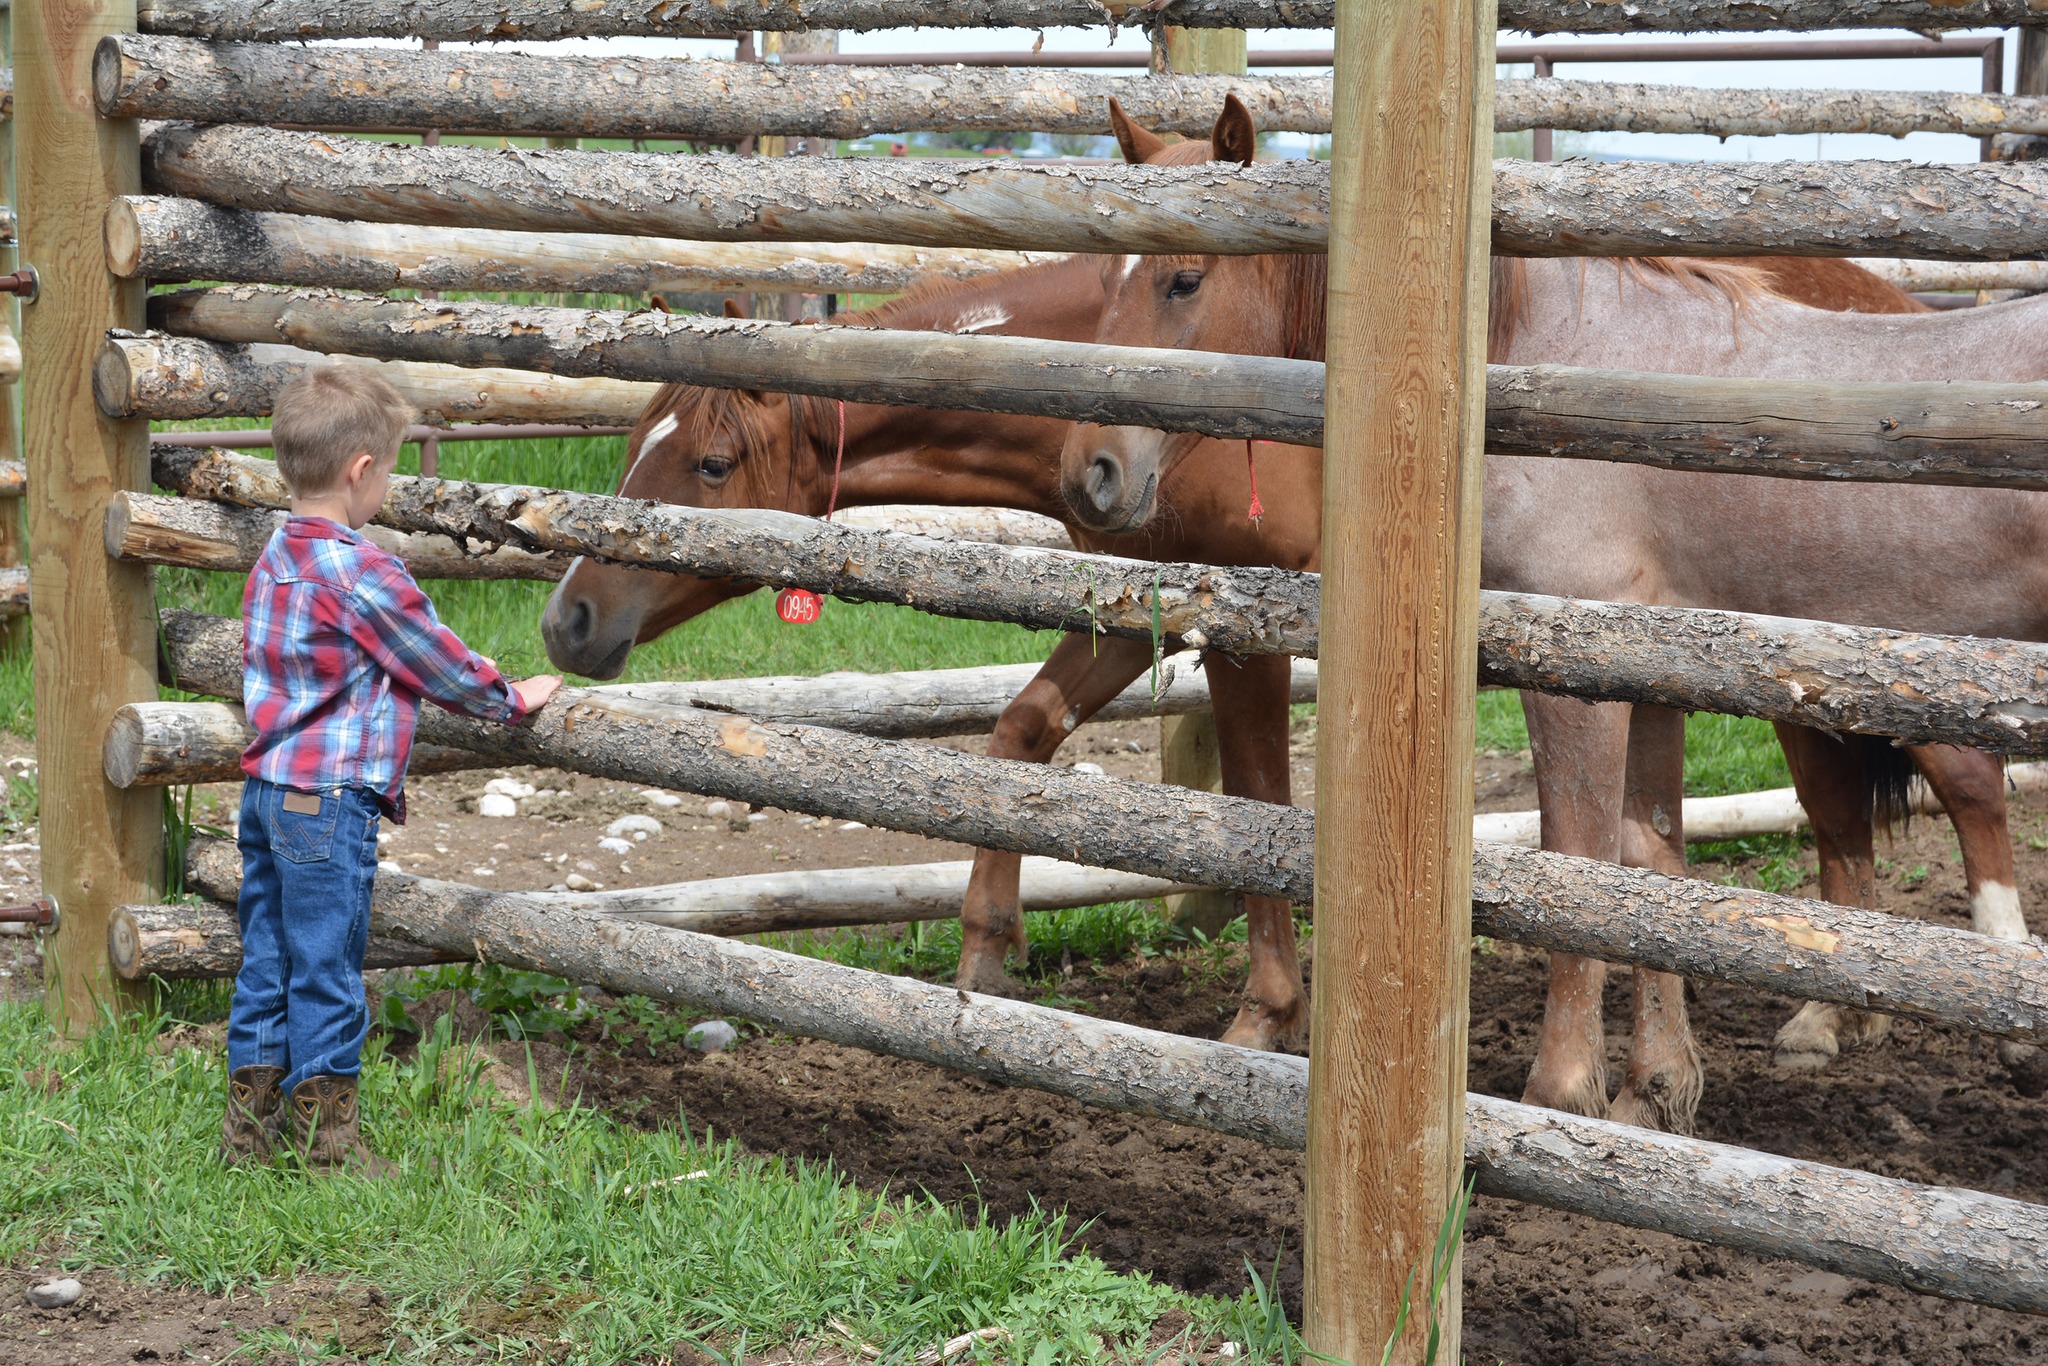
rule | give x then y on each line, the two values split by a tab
330	415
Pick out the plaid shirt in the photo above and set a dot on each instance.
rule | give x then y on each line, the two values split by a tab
339	646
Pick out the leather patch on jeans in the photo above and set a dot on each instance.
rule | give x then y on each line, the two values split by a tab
302	803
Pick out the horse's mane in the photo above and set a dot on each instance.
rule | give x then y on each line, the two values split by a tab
937	303
1508	304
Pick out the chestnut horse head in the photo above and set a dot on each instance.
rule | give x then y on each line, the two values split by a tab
742	448
1110	476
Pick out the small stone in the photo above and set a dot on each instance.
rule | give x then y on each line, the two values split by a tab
712	1036
547	792
615	846
58	1294
388	865
584	865
501	846
654	796
576	882
509	787
1092	770
853	825
757	815
633	827
496	805
718	811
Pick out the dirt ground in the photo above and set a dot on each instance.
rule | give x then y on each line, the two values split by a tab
1193	1208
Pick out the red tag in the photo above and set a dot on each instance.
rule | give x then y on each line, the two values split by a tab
798	606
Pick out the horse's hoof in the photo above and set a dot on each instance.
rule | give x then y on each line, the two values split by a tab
1587	1096
1268	1031
1670	1103
1805	1053
987	976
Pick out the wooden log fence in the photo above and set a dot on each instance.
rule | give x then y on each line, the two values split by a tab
1275	207
1255	397
164	239
1942	1241
481	90
173	379
181	743
202	940
506	20
1570	208
1989	694
1965	433
1956	276
139	76
1149	828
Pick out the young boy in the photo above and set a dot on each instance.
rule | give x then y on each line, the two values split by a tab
339	647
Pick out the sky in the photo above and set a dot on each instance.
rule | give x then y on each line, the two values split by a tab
1929	74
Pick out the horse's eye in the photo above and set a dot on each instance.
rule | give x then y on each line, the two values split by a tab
1185	283
713	469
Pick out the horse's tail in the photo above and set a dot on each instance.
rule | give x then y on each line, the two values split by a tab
1887	778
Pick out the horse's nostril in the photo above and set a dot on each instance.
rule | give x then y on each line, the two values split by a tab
581	621
1105	481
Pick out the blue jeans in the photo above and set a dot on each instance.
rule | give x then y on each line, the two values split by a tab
308	859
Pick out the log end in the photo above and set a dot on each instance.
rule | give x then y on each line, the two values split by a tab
121	231
113	381
107	71
124	944
121	751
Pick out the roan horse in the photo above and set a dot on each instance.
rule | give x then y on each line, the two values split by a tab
1610	777
723	448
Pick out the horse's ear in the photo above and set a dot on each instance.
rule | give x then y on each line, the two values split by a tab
1234	138
660	304
1139	146
733	309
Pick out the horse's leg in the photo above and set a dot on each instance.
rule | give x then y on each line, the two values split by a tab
1829	778
1250	698
1075	683
1971	787
1661	1088
1580	749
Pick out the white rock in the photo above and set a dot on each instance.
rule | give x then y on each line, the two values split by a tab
633	827
510	787
615	846
388	865
496	805
547	792
55	1294
757	815
654	796
482	872
1092	770
578	883
853	825
384	837
718	811
712	1036
584	865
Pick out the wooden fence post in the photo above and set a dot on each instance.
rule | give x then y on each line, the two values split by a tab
1189	752
1412	144
94	623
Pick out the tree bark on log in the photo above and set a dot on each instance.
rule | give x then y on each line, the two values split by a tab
1194	837
1977	211
1961	276
188	941
14	591
1241	397
13	478
1988	694
505	20
928	202
167	239
481	90
197	534
179	743
1955	1243
1808	949
1634	107
178	379
1972	434
1975	434
1242	610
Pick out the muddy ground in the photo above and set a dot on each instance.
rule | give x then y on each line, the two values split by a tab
1194	1208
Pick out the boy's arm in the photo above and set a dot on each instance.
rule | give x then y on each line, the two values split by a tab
395	622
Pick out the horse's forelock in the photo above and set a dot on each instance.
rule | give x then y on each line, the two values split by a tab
704	415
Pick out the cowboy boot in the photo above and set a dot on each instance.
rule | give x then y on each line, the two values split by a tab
250	1125
326	1131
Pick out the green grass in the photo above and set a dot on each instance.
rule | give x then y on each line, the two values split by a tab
1723	754
567	1215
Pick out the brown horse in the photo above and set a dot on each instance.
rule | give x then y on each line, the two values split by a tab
724	448
1609	778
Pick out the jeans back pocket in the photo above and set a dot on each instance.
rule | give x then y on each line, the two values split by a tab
299	834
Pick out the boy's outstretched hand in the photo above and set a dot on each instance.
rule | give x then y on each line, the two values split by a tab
532	692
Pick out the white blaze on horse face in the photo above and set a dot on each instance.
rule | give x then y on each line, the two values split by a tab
1130	266
658	433
981	318
1995	910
